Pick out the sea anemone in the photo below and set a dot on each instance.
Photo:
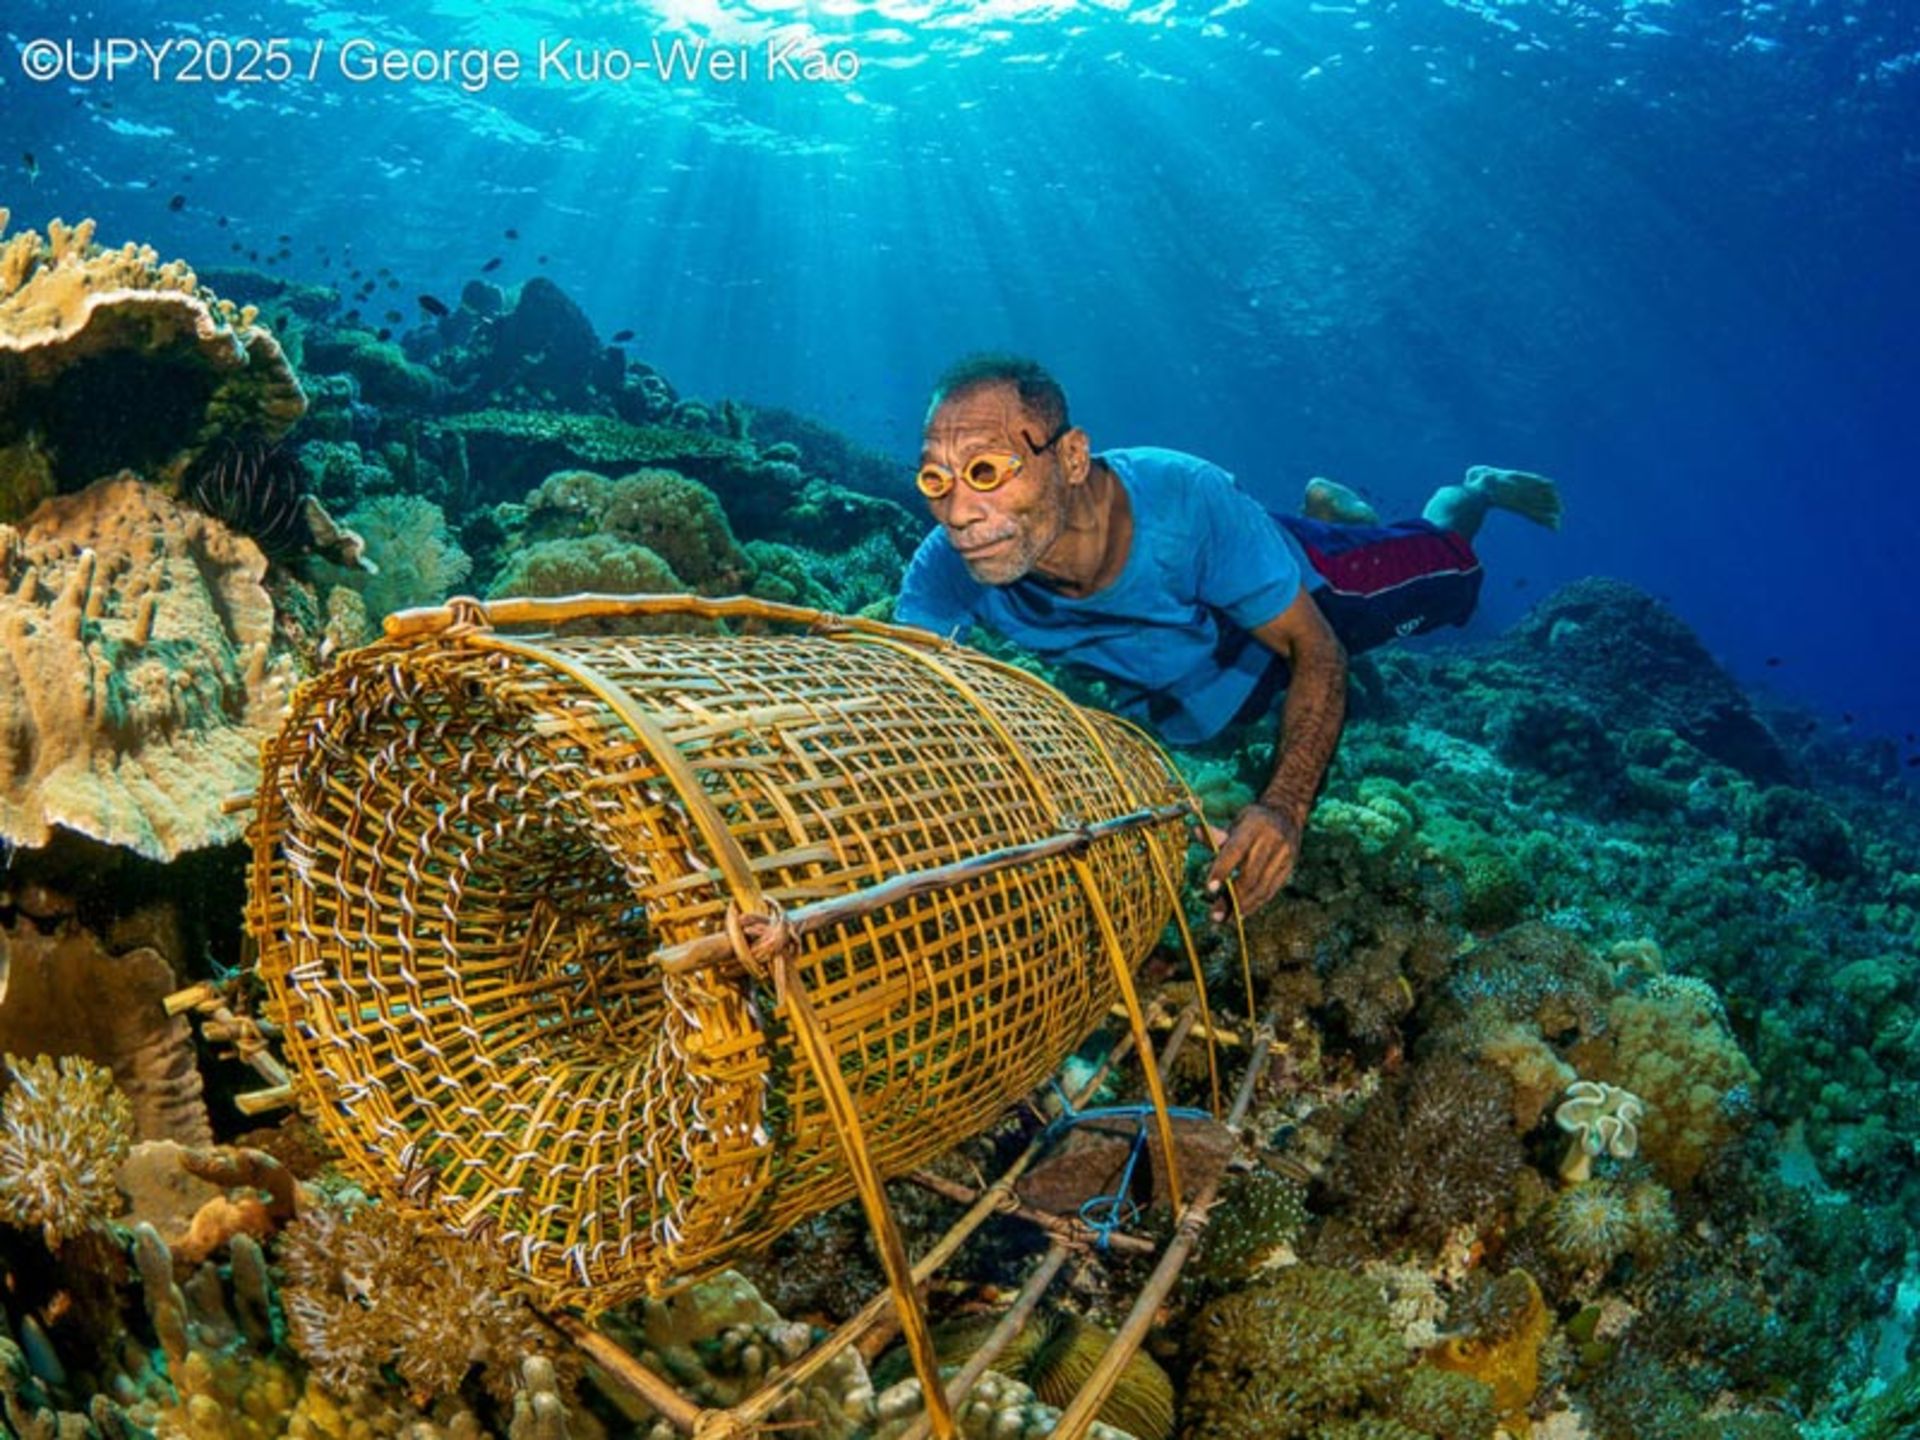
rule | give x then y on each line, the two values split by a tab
1588	1226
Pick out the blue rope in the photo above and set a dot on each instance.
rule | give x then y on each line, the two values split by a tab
1105	1214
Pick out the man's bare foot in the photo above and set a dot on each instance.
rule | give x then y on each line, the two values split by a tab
1334	503
1532	497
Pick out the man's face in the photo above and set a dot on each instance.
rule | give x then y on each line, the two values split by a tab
999	533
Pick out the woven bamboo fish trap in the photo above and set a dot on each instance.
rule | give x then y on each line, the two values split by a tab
628	951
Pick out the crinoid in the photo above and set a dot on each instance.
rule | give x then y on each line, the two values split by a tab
259	488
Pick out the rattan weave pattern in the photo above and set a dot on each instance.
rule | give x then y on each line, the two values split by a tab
468	861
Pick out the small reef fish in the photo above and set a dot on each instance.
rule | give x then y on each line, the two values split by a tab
33	166
433	306
622	336
491	266
513	234
178	202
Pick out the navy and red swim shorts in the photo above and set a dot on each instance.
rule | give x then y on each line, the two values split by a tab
1380	583
1385	582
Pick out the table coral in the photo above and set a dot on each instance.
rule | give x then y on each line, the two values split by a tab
111	359
138	671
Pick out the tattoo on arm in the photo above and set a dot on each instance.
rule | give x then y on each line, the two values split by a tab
1310	725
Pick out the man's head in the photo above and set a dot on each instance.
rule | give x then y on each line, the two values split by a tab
1002	420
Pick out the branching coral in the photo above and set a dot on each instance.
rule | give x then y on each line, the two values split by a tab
1433	1151
64	1129
367	1288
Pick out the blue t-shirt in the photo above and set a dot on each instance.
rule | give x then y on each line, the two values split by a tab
1170	634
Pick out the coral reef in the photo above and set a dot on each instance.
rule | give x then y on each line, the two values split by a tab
1053	1355
366	1288
1575	863
516	450
259	488
679	519
124	1027
1591	1225
111	360
999	1408
138	671
1671	1047
1313	1352
1257	1217
64	1129
1431	1151
1507	1322
717	1340
1630	659
416	561
598	564
1289	1353
1604	1120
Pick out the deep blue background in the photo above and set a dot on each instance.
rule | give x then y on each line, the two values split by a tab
1663	252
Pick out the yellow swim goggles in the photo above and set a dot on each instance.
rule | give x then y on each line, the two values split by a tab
988	470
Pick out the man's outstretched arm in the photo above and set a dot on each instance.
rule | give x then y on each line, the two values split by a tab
1264	844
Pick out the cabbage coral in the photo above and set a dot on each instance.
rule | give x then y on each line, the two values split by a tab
1604	1120
64	1129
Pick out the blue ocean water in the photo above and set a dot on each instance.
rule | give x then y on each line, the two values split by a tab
1660	251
